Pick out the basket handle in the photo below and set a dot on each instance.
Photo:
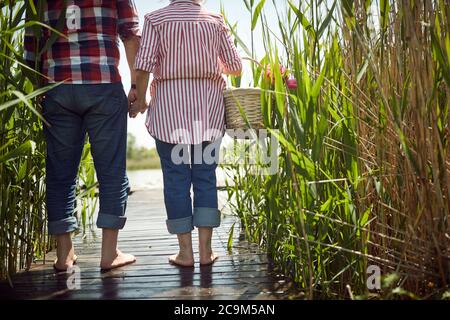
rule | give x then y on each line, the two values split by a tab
253	60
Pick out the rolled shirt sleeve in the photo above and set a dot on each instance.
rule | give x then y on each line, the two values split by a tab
31	42
228	54
128	19
148	53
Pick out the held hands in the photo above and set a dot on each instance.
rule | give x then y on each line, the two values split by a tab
132	96
136	105
140	106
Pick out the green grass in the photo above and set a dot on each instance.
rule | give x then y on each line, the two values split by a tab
141	158
143	164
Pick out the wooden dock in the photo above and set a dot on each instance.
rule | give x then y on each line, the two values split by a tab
245	273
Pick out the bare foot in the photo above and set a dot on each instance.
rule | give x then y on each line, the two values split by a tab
207	256
119	260
185	256
65	254
63	265
206	260
182	260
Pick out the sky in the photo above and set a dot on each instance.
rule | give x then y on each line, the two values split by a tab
235	11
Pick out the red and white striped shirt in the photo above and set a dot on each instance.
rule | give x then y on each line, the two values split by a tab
183	45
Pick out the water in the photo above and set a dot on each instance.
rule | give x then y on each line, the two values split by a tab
153	179
145	179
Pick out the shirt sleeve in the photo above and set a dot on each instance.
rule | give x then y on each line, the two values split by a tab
128	19
228	54
30	48
148	53
30	44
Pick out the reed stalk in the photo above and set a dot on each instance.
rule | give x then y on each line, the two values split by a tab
365	158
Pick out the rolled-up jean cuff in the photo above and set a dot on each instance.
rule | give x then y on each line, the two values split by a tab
206	217
109	221
180	226
66	225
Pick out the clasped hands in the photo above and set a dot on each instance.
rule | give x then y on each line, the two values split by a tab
136	104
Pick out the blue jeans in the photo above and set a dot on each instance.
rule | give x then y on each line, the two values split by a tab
72	110
184	166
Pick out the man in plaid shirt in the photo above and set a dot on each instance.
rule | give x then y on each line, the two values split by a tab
91	100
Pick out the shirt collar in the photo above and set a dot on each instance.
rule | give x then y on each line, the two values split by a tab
185	1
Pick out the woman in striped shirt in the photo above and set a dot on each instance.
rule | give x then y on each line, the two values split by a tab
187	49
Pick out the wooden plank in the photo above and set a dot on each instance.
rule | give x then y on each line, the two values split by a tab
244	274
150	282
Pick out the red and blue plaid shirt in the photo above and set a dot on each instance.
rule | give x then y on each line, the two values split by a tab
89	52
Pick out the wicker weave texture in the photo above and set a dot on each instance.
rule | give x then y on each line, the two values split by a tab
249	100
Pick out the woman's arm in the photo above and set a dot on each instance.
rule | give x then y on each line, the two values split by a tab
230	60
227	71
140	105
145	62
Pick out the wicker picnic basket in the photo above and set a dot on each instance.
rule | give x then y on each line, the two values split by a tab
241	103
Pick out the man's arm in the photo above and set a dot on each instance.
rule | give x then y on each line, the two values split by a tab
128	27
31	46
131	49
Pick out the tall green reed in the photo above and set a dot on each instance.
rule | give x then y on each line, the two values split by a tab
23	235
22	195
351	169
